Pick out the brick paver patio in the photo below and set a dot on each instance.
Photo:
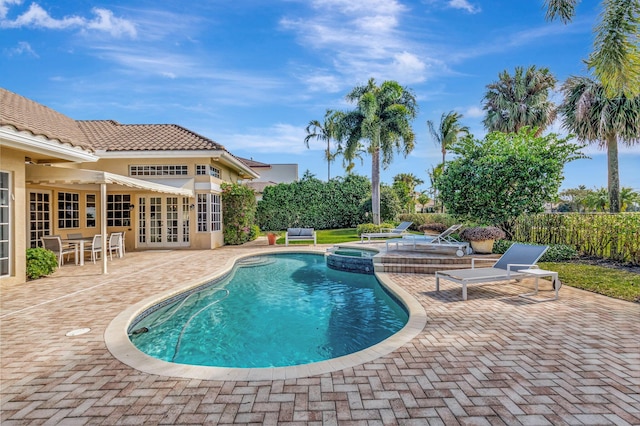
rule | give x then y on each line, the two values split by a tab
494	359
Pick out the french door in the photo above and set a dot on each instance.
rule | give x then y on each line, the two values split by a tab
163	222
39	216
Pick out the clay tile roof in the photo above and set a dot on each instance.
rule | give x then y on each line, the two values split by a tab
252	163
26	115
110	135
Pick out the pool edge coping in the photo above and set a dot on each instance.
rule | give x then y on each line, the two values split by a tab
119	345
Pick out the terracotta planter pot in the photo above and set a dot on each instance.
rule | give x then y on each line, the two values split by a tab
272	239
482	246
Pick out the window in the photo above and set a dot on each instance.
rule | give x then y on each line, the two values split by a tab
90	213
118	212
39	216
5	224
216	213
209	212
204	169
68	210
158	170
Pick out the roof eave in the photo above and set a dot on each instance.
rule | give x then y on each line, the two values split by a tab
26	141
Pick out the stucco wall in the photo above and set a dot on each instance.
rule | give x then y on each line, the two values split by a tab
12	161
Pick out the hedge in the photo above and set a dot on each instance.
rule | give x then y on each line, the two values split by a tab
604	235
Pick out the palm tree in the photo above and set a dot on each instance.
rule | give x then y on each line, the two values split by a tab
593	117
381	124
411	181
628	197
598	200
323	132
615	59
448	132
520	100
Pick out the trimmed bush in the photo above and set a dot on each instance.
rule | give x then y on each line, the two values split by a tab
435	227
555	252
239	207
604	235
424	218
40	262
368	228
312	203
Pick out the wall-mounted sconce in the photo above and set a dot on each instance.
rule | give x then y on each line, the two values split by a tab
131	207
192	206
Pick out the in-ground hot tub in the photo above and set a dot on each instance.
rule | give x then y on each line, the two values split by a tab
351	259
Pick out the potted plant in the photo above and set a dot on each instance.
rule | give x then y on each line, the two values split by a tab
272	237
482	237
433	228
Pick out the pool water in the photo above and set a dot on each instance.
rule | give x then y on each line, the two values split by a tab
272	311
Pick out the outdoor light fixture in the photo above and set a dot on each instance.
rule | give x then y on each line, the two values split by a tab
131	206
192	206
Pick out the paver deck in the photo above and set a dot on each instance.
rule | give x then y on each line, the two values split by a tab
495	359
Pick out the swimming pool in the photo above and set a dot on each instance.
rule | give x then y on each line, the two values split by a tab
271	311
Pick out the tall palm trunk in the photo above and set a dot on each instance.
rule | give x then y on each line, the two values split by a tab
375	183
613	174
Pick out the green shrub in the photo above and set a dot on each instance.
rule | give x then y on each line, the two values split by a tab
419	219
239	207
40	262
555	252
612	236
312	203
368	228
254	232
435	227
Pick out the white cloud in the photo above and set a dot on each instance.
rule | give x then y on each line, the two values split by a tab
105	21
4	6
474	112
279	138
464	5
23	48
37	17
361	38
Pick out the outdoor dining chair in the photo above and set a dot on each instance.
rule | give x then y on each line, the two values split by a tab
95	247
54	244
116	244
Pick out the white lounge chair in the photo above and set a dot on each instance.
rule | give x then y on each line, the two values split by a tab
398	231
516	258
443	240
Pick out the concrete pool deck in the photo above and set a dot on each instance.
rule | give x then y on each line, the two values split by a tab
494	359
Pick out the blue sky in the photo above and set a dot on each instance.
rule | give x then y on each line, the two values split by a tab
251	74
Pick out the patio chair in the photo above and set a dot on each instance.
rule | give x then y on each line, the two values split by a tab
440	241
94	247
54	244
388	233
74	236
516	258
115	244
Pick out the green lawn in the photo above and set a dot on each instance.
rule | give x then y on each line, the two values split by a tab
610	282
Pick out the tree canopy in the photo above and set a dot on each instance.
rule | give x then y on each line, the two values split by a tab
495	180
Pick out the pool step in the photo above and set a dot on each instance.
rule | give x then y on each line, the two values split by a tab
418	263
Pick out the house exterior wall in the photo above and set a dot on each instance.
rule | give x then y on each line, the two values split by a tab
12	162
203	184
279	173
